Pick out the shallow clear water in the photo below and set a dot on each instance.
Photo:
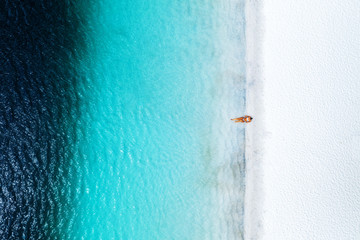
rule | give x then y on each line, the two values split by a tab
149	150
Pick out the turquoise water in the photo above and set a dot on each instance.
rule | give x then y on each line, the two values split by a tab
156	155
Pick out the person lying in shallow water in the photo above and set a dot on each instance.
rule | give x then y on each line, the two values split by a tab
245	119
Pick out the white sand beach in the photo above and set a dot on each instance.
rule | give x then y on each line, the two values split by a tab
303	146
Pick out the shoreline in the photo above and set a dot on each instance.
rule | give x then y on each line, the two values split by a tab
253	152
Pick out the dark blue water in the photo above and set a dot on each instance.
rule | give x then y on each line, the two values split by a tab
38	111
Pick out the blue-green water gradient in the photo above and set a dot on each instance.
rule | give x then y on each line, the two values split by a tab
150	158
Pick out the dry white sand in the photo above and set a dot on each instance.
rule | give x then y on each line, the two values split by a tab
303	147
